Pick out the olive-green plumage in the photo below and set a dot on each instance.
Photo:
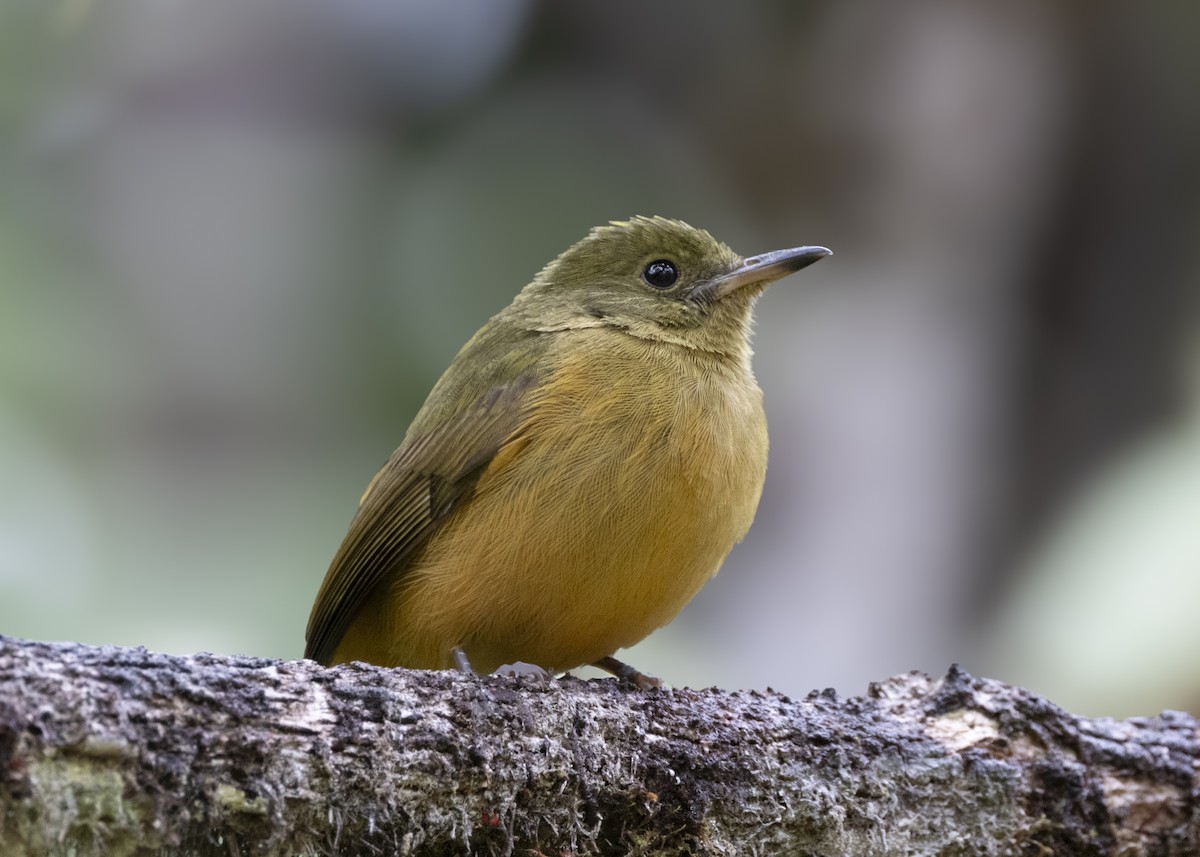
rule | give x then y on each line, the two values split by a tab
576	475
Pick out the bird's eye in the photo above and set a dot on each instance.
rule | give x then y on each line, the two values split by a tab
661	274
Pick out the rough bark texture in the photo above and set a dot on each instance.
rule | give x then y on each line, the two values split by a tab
126	752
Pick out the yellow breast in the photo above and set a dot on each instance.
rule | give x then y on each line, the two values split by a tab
640	465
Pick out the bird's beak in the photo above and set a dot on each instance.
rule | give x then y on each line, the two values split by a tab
765	267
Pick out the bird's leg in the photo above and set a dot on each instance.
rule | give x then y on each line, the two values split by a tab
627	673
460	660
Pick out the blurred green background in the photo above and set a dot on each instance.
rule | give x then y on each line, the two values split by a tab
239	241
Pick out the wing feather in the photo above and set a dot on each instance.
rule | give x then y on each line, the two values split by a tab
426	480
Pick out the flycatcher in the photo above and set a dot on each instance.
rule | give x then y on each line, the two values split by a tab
578	473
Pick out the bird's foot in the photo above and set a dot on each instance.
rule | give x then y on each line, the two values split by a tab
521	669
626	673
518	669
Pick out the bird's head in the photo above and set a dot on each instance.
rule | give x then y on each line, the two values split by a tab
657	279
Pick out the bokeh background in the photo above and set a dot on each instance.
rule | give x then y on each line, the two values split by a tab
239	241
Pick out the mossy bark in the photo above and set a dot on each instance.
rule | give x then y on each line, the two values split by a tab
111	751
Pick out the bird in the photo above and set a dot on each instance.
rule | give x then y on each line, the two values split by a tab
577	474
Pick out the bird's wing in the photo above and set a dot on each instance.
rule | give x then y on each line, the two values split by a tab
432	474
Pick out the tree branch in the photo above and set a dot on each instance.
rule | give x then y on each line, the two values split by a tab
124	752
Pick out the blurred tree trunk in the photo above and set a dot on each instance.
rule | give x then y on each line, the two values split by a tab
1110	303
